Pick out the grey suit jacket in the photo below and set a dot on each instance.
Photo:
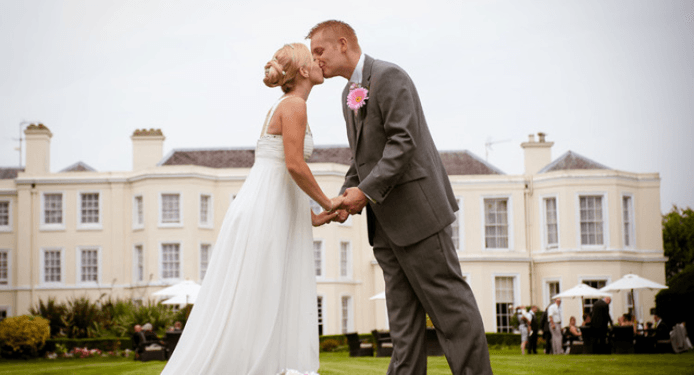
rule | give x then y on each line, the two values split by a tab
395	161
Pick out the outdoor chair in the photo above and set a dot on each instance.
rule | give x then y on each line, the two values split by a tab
384	345
623	339
153	352
587	334
358	347
171	339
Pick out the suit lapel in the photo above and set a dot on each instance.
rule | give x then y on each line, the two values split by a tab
350	120
365	82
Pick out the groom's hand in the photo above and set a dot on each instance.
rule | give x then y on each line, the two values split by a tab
354	200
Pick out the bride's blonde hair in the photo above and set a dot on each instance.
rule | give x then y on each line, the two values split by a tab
284	66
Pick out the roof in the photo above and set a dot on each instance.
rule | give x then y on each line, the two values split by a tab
78	167
455	162
571	160
9	173
466	163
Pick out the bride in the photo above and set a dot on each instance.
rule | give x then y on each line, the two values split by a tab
256	312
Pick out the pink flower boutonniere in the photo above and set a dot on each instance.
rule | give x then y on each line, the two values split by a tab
357	97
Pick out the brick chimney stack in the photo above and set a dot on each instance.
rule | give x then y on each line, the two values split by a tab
38	149
148	148
537	154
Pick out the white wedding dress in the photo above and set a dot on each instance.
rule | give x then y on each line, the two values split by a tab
256	312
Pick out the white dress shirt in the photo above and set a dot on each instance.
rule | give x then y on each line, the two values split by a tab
358	71
554	313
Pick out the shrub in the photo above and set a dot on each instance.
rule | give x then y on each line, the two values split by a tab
503	339
329	345
83	318
23	336
53	312
676	304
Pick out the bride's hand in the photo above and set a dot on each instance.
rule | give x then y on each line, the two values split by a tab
322	218
336	203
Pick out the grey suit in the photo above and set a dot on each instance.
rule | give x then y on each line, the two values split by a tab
397	165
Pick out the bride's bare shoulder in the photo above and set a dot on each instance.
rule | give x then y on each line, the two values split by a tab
292	103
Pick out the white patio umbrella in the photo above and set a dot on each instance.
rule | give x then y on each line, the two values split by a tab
630	282
184	288
381	295
182	300
582	291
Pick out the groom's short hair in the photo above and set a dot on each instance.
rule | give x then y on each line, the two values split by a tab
338	28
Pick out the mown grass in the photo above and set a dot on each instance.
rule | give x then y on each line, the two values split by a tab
505	361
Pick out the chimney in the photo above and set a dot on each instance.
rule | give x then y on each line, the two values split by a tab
537	154
38	149
148	148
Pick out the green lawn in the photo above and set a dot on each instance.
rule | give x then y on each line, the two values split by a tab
503	362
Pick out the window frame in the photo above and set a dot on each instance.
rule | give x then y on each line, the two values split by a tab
180	261
9	268
78	264
543	225
583	278
209	256
178	224
7	309
509	223
78	216
546	298
516	294
605	220
632	221
43	226
350	313
320	315
349	261
322	259
209	224
7	228
136	263
42	267
136	224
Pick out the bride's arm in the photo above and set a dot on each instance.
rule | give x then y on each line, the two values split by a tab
292	114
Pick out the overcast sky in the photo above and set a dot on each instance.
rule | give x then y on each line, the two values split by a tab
610	80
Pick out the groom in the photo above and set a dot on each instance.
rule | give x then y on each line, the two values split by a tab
397	174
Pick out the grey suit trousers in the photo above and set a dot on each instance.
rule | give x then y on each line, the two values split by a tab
425	277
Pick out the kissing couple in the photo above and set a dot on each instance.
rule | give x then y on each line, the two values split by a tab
256	312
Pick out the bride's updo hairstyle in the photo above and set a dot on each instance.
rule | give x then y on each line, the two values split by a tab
284	67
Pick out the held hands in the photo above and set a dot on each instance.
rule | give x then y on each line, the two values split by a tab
330	214
323	218
353	201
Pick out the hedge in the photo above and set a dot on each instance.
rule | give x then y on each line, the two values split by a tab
493	339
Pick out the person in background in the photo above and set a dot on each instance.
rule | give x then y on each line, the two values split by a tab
546	330
554	317
662	331
600	319
523	326
532	341
138	338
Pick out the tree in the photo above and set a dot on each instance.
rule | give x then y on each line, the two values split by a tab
678	240
676	303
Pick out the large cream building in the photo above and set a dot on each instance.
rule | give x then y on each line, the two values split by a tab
520	238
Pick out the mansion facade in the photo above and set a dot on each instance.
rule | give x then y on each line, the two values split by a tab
520	238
